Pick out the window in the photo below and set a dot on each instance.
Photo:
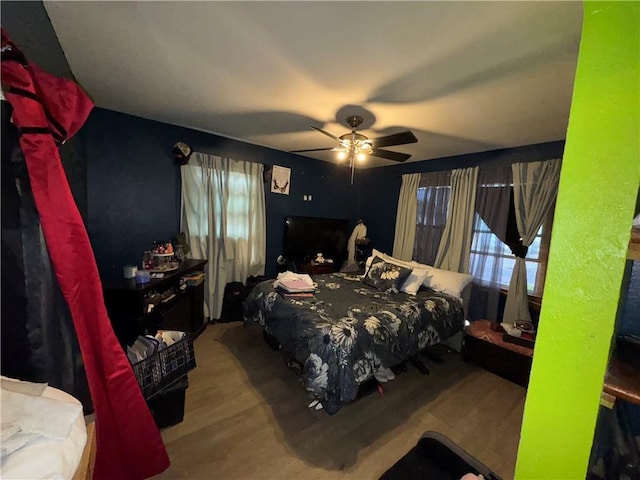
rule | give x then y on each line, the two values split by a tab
492	261
223	217
238	209
433	200
498	252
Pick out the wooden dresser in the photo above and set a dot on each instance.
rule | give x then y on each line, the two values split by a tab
173	309
316	268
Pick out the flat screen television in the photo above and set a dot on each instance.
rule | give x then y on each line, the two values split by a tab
304	237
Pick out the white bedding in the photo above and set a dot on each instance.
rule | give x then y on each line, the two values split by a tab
45	456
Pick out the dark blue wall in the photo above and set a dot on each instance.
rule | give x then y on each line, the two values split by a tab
378	188
134	186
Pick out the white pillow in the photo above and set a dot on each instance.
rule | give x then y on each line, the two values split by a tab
418	274
420	265
446	281
415	280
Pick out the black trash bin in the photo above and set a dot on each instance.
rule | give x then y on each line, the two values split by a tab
167	407
234	295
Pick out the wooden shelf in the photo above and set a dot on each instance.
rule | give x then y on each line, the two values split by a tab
634	245
623	381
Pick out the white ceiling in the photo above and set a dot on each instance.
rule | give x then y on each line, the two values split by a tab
463	76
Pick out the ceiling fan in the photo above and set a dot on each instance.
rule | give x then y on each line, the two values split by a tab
355	146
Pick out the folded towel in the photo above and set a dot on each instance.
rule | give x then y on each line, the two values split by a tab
290	276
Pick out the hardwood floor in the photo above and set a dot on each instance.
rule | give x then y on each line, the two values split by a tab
246	417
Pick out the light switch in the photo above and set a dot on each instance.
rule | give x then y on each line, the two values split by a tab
304	198
310	198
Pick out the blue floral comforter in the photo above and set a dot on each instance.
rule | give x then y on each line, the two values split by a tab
349	330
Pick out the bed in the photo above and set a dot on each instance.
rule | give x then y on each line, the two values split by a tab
348	330
44	432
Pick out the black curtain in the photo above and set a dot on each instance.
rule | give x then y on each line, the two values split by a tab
495	207
39	342
434	191
503	223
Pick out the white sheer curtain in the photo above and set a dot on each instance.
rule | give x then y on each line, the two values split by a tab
223	217
406	217
535	186
455	246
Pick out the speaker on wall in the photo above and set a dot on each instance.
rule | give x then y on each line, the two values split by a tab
181	153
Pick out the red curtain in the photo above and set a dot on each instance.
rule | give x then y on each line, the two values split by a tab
47	110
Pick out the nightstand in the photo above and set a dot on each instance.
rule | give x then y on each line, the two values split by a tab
315	268
484	345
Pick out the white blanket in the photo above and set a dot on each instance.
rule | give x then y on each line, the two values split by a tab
42	435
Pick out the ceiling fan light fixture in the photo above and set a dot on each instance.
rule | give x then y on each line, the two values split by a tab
354	146
366	146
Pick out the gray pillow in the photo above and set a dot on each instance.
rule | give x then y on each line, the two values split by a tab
386	276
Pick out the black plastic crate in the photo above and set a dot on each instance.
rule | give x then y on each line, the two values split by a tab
167	407
165	367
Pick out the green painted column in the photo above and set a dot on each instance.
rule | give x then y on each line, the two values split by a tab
596	198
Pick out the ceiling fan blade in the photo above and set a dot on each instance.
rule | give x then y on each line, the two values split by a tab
401	138
326	133
311	150
395	156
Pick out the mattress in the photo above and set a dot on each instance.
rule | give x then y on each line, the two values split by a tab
48	457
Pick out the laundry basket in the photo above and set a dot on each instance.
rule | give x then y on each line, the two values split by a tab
166	367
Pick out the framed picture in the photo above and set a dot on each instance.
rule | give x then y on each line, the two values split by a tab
280	180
